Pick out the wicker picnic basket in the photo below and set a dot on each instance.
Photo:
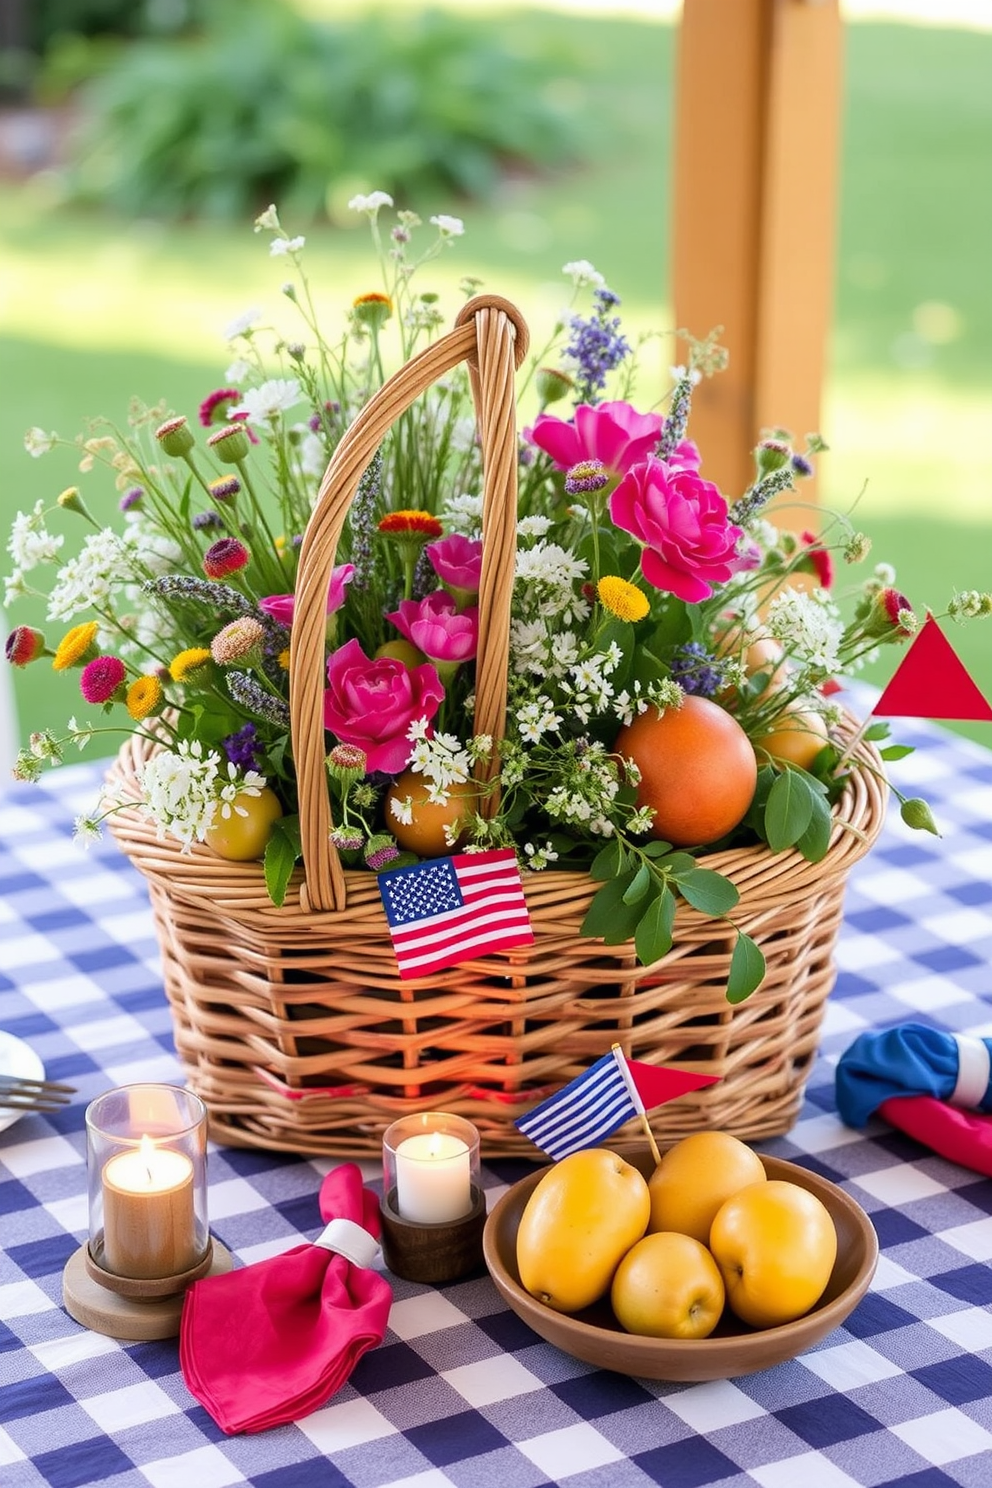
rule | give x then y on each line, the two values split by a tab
293	1024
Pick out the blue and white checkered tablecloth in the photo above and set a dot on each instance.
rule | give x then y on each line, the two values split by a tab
461	1394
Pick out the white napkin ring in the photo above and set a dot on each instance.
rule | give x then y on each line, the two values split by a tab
347	1238
974	1069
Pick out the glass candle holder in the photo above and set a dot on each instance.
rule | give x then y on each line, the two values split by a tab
433	1209
146	1153
431	1167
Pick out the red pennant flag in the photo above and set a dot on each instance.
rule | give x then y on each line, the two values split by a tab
931	682
655	1084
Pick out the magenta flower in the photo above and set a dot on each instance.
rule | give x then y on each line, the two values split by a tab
225	556
280	607
217	405
437	629
613	433
457	561
102	678
372	703
680	520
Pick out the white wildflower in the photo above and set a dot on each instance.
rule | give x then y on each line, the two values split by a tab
640	821
582	274
536	719
80	734
884	575
243	323
534	526
442	760
463	513
238	371
448	227
14	587
370	203
86	830
89	579
236	786
275	396
280	246
179	789
808	627
268	220
30	542
37	442
402	809
539	857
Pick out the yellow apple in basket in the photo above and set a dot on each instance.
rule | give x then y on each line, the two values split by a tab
582	1218
695	1177
668	1286
775	1244
242	835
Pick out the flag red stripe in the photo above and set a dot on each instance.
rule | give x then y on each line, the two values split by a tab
485	935
452	918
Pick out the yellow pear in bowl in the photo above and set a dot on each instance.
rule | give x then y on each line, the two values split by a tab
580	1221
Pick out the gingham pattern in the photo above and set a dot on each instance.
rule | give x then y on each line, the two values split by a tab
461	1393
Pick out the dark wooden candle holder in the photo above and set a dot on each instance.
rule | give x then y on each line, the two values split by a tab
432	1253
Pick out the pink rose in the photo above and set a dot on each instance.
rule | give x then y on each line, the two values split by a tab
614	433
457	561
436	628
373	703
680	520
280	607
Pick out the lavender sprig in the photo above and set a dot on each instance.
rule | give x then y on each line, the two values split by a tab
677	418
253	696
758	495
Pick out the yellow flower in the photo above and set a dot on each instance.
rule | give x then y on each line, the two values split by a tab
143	697
621	599
187	662
75	646
283	659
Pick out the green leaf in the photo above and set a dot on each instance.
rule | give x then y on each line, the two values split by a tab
876	731
656	849
896	751
281	853
607	862
608	908
653	936
638	886
677	862
747	969
707	891
788	810
814	842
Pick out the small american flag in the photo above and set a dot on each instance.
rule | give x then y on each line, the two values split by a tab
454	909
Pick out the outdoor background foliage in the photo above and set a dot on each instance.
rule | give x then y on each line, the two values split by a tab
101	305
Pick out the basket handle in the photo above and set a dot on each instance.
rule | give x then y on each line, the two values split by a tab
492	336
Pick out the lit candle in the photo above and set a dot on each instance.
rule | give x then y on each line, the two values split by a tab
148	1220
433	1178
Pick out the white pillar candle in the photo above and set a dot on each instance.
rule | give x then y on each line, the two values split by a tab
433	1178
149	1229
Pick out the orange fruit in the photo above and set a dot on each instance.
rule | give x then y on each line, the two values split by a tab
775	1244
695	1177
424	835
698	770
579	1221
242	837
668	1286
798	736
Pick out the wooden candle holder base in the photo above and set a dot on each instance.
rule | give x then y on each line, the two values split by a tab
432	1253
137	1311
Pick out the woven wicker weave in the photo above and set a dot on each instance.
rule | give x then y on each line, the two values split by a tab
293	1024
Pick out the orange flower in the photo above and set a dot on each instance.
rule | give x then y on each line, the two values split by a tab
410	524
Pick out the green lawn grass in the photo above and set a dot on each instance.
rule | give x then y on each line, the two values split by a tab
94	310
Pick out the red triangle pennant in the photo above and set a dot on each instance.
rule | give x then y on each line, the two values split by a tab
656	1084
931	682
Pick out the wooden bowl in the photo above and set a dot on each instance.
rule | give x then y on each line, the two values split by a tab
595	1336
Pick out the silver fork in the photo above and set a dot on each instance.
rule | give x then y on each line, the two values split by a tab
20	1094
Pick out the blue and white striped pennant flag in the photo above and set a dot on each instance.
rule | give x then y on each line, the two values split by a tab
585	1111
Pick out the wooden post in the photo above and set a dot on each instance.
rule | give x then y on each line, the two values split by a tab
755	201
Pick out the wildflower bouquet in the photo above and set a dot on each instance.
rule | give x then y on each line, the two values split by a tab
672	651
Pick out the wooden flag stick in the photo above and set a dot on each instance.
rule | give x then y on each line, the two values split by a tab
621	1060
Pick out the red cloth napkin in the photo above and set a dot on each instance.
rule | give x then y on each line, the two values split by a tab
963	1137
273	1341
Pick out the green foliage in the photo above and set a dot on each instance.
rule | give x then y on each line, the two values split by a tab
263	104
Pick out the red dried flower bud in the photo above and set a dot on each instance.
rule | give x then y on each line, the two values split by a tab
225	556
24	645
